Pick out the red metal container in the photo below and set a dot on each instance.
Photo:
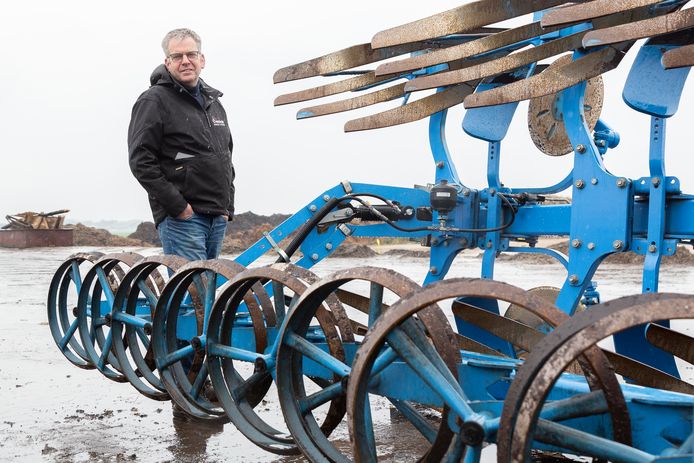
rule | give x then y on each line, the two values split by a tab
36	238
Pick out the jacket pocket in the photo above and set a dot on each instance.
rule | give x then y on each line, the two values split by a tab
207	182
175	173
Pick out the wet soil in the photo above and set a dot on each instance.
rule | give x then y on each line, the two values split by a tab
53	411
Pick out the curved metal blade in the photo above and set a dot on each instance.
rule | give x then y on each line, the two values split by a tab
518	334
679	57
524	337
461	19
346	85
357	102
591	10
464	50
678	344
551	80
673	22
413	111
646	375
469	344
341	60
359	302
498	66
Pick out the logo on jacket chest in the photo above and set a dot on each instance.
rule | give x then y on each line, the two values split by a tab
218	122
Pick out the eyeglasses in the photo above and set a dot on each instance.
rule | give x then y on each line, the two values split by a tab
178	57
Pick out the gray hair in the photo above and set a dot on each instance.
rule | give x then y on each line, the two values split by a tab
179	34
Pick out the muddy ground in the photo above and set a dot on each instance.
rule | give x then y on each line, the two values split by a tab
53	411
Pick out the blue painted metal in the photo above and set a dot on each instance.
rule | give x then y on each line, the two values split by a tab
650	88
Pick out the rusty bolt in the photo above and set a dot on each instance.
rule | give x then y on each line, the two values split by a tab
580	184
652	248
576	243
573	280
492	191
433	270
621	182
655	181
489	245
617	244
591	246
440	164
466	192
581	148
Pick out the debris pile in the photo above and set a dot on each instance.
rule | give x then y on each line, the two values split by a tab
36	220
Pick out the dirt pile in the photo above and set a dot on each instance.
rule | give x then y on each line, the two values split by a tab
420	254
248	221
683	256
247	228
353	250
147	232
88	236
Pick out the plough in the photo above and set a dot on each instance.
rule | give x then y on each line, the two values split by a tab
466	362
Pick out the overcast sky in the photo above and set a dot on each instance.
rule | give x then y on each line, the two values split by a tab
73	69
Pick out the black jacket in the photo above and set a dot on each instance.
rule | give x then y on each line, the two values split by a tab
179	151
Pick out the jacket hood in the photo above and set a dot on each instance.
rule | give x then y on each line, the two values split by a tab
161	76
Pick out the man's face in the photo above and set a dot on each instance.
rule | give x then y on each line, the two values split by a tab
182	62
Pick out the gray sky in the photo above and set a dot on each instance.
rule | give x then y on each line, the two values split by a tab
73	69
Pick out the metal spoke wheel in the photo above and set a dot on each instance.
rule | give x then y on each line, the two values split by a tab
313	409
62	306
179	329
131	322
241	367
94	306
532	416
433	366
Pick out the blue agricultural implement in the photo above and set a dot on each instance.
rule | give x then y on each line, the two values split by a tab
465	362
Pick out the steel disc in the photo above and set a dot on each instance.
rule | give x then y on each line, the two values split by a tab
519	314
545	120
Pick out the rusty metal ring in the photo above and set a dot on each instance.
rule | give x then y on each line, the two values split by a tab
128	258
91	334
240	407
338	311
309	436
61	317
136	367
546	363
472	288
175	379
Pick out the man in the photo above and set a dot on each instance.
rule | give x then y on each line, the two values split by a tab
180	151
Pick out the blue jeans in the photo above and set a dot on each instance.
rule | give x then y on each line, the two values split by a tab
197	238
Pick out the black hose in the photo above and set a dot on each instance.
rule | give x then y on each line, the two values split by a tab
430	228
308	226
